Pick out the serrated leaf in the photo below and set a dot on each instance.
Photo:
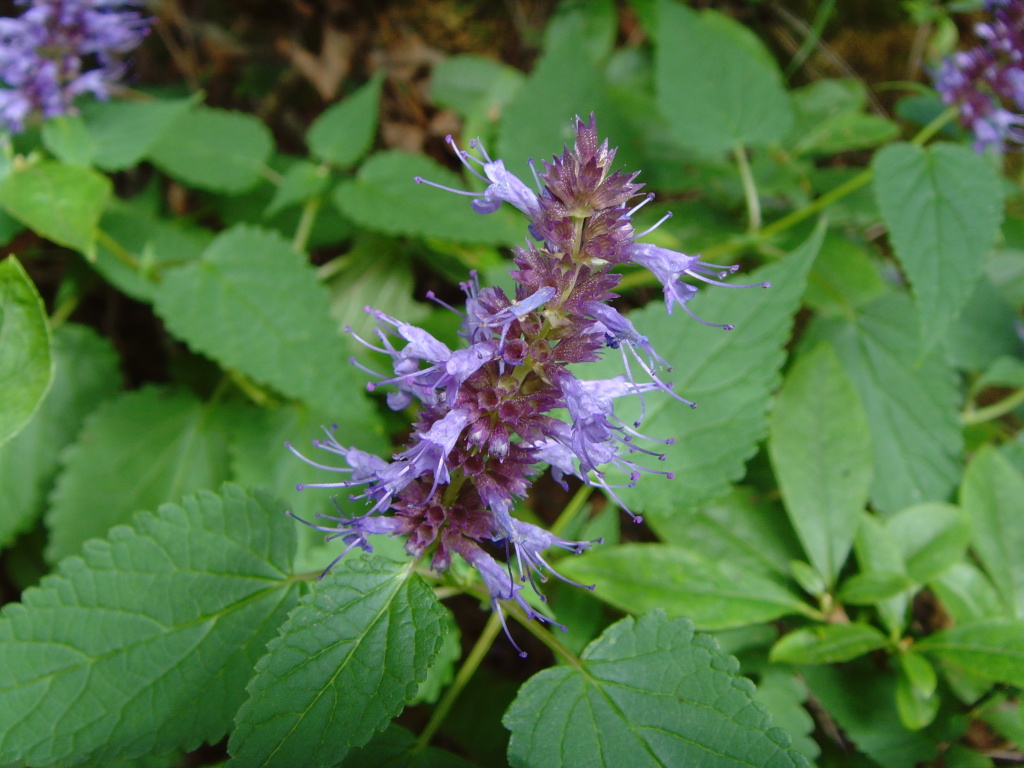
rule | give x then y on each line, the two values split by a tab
827	644
783	694
145	643
731	94
397	748
122	132
991	495
992	649
746	530
345	131
344	664
158	243
255	305
135	452
60	202
820	448
214	149
730	374
85	374
26	358
385	198
714	594
912	406
648	692
943	206
931	538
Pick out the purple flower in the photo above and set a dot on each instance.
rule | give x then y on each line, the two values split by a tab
488	419
986	83
58	50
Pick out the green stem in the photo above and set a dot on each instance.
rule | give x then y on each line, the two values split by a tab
119	251
466	672
572	509
749	189
994	411
302	231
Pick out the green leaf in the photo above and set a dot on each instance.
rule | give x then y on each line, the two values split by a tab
384	197
649	692
863	703
135	452
967	594
145	643
992	649
538	120
943	206
731	374
69	140
843	278
715	594
345	663
783	694
345	131
931	538
474	85
214	149
916	708
397	748
747	531
731	94
820	448
830	119
60	202
85	374
873	587
827	644
255	305
912	406
882	567
158	244
991	495
26	360
122	132
301	182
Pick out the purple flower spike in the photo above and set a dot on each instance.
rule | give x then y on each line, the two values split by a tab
492	413
44	54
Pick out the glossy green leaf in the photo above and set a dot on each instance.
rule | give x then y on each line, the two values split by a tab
345	663
60	202
991	495
943	206
992	649
384	197
344	132
26	357
648	692
881	570
730	374
714	594
731	93
820	448
145	644
967	594
135	452
214	149
85	374
122	131
827	644
912	405
255	305
872	587
916	708
931	538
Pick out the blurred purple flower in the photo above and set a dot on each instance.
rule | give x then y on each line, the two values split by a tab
488	419
58	50
986	83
